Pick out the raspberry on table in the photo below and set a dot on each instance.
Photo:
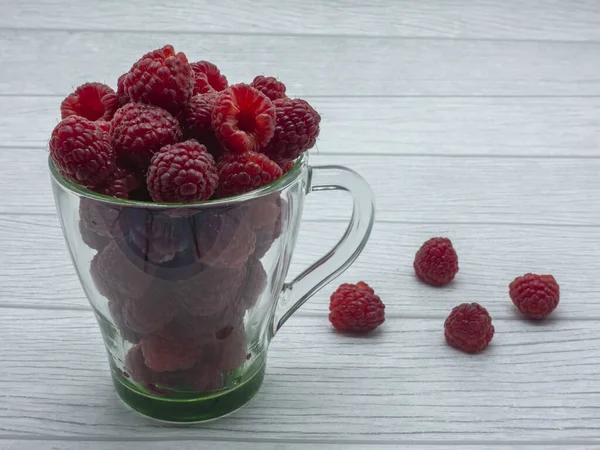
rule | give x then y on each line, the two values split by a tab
183	172
82	151
244	172
243	118
207	78
168	351
138	131
270	86
162	78
535	296
469	328
436	262
355	308
93	101
296	129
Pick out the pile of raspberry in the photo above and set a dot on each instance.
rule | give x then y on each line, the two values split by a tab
178	132
179	282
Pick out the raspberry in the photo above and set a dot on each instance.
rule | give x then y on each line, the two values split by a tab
139	131
161	78
204	378
296	129
91	239
82	151
254	284
243	118
114	187
121	96
99	217
535	296
150	312
92	101
168	351
221	241
267	222
116	311
356	308
244	172
207	78
286	165
436	262
104	125
469	328
183	172
270	86
197	115
232	350
158	238
210	291
206	328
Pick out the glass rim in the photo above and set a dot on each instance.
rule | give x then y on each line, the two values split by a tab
278	185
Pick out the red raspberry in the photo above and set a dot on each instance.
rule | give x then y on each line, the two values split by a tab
197	115
270	86
114	187
183	172
99	217
91	239
139	131
243	118
356	308
121	96
286	165
436	262
232	350
93	101
161	78
104	125
82	151
207	78
469	328
254	284
267	220
535	296
204	377
211	291
244	172
221	241
116	311
150	312
168	351
206	328
296	129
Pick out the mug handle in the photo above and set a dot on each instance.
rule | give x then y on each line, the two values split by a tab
339	258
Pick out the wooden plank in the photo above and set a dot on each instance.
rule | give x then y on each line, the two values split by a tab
456	190
490	257
535	382
314	65
486	19
531	126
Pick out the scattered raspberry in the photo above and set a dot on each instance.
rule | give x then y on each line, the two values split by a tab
161	78
168	351
469	328
121	96
535	296
139	131
207	78
356	308
211	291
243	118
270	86
244	172
183	172
93	101
221	241
436	262
296	129
82	151
157	237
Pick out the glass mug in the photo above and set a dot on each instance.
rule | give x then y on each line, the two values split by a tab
189	296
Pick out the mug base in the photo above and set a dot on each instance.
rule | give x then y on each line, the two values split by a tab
189	411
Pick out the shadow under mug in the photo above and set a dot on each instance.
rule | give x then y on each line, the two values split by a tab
189	296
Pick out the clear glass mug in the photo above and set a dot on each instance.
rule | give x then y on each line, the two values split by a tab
188	297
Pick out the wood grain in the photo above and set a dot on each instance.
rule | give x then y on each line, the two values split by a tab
538	19
490	257
403	383
504	127
310	65
561	191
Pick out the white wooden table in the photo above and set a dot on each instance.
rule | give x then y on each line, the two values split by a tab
474	119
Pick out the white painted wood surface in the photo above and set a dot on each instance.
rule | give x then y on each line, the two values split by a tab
479	120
